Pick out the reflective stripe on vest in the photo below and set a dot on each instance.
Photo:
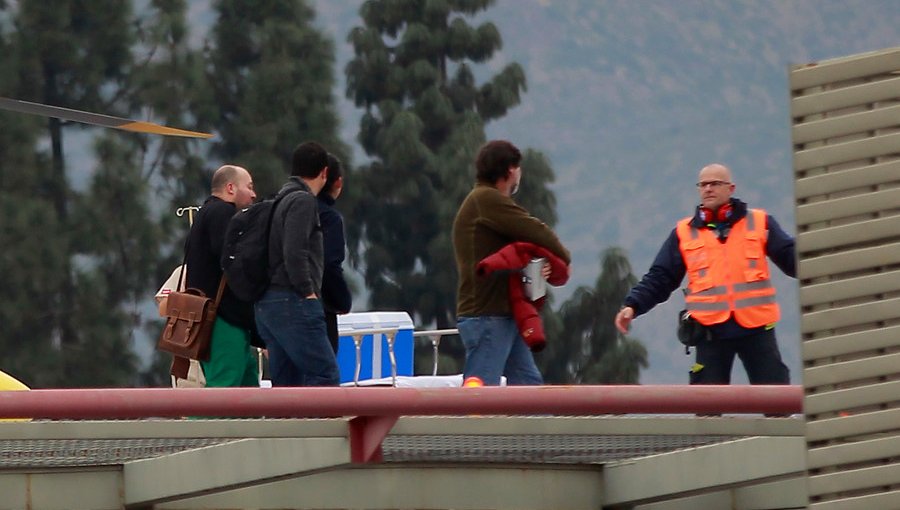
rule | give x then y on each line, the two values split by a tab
730	278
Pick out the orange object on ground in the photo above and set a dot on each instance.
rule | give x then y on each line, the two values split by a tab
473	382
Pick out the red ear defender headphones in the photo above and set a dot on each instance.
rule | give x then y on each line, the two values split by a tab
723	213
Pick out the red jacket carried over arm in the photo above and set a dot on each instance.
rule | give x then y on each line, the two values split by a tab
513	257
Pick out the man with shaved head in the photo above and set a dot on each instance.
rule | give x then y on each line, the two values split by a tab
722	249
232	362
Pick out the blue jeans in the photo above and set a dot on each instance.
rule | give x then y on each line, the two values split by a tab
494	348
294	331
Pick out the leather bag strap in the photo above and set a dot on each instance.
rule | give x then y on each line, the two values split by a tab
219	292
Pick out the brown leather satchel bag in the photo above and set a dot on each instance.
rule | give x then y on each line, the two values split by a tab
190	316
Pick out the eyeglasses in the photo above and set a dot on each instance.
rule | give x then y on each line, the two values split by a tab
714	184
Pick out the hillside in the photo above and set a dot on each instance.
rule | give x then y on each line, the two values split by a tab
629	99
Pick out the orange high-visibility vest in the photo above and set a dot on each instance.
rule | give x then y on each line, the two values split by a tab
731	277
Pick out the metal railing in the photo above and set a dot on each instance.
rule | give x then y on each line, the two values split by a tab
132	403
373	412
390	334
435	337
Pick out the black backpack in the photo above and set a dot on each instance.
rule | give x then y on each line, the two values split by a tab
245	257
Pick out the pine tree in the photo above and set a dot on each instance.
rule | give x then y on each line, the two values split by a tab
171	83
423	123
74	54
272	75
30	269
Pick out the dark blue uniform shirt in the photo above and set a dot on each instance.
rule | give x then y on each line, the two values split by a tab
668	269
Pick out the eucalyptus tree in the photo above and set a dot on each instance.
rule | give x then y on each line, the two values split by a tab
587	348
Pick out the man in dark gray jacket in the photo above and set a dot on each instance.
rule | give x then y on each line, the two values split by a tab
289	316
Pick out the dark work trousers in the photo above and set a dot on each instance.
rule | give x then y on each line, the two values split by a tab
758	352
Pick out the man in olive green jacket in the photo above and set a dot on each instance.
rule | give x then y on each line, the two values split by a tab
488	220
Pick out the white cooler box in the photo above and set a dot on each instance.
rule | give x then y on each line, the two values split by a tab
375	360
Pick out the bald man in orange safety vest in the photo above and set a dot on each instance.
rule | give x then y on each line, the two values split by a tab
722	249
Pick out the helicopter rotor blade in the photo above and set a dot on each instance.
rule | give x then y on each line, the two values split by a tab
96	119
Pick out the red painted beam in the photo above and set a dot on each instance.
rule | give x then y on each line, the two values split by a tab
331	402
366	436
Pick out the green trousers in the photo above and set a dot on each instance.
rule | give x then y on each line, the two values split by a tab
232	360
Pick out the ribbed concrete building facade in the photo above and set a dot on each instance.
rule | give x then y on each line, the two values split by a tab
846	134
